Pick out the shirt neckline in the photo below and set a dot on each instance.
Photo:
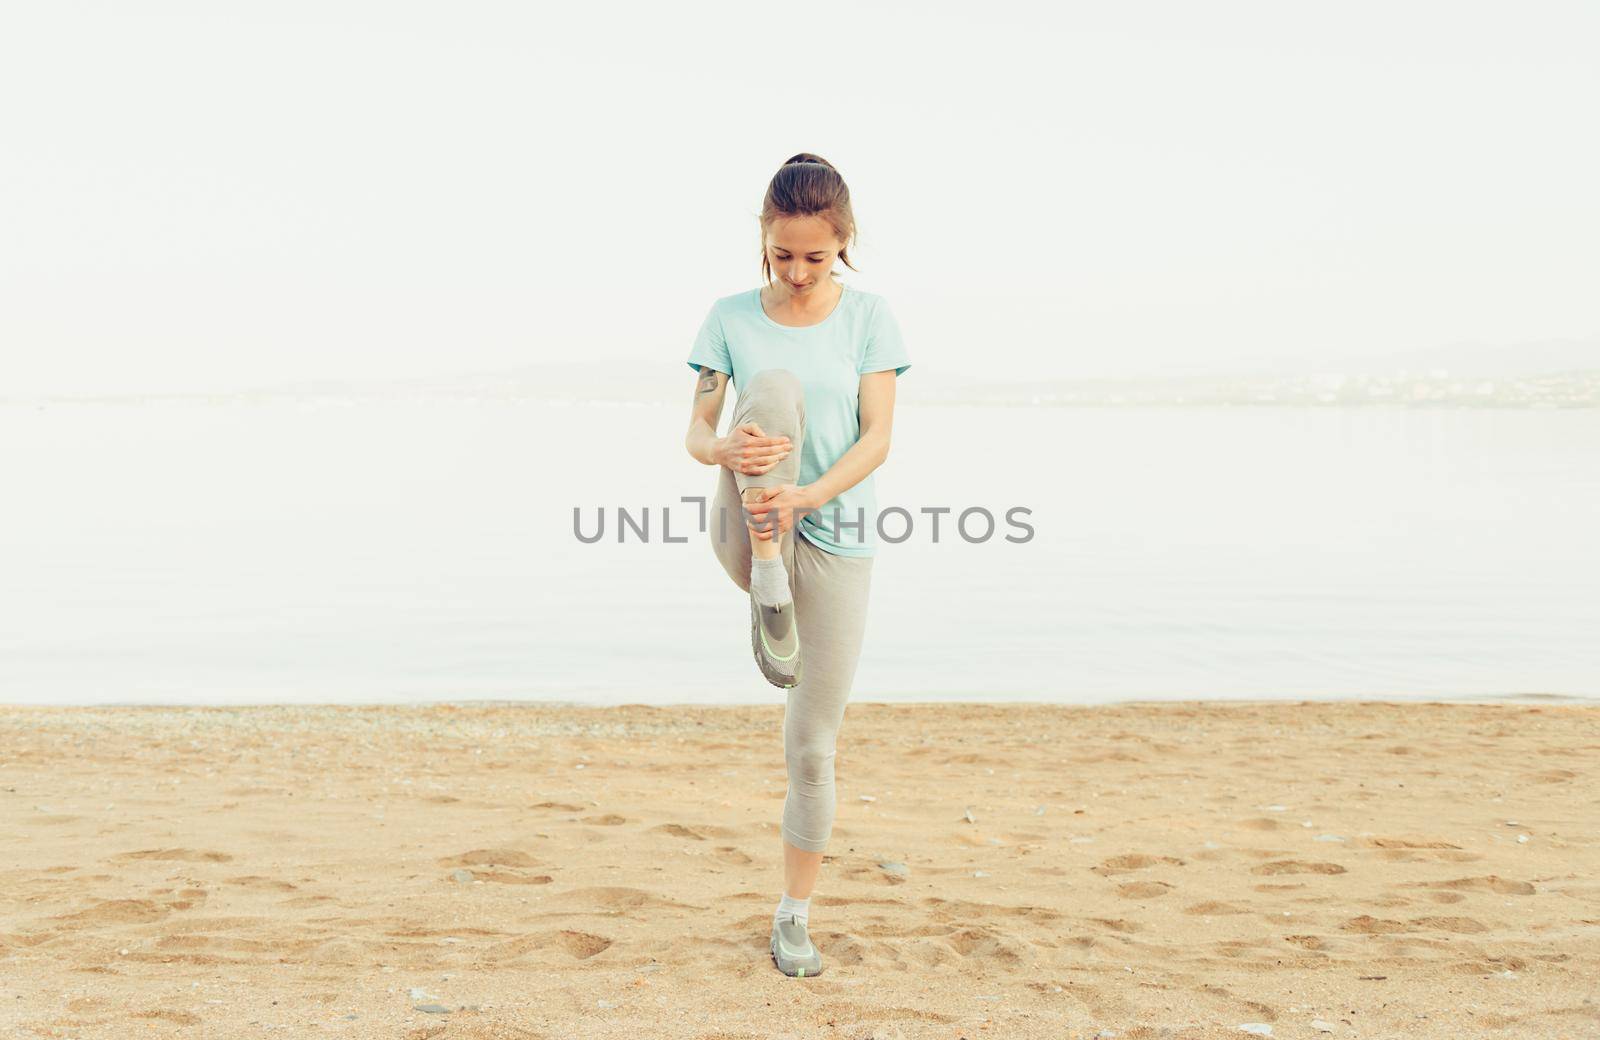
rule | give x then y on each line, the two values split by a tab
837	307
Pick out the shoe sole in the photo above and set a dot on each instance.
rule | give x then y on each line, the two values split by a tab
783	682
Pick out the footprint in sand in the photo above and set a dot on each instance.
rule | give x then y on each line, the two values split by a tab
115	911
183	899
865	1013
1260	823
582	945
941	909
1367	925
1143	889
505	866
1228	1003
1457	925
577	945
1244	949
504	877
1133	861
1216	909
871	874
1117	924
678	830
1490	965
1382	926
490	858
183	855
257	881
90	1005
989	944
730	854
178	1018
612	899
1407	850
1487	883
1409	843
1297	866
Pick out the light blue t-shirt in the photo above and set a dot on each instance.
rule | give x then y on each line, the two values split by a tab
829	358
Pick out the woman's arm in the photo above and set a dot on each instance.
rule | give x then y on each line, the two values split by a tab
746	449
876	408
704	414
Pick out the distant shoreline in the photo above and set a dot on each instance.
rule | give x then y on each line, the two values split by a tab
650	386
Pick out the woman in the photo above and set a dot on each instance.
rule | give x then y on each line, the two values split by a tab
815	362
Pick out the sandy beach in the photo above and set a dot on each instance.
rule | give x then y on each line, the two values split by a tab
1180	870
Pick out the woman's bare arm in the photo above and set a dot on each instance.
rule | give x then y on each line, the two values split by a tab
875	404
705	413
745	449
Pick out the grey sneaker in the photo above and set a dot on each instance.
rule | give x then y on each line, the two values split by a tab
792	949
776	642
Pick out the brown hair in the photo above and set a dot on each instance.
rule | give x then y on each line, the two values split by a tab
807	185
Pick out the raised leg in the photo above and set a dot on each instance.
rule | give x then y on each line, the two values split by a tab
773	399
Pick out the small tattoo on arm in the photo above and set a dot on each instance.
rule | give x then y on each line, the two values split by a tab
708	380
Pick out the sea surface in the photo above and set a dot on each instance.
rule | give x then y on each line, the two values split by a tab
370	550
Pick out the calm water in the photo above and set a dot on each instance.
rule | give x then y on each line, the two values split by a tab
405	551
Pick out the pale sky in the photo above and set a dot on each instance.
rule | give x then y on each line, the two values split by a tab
206	196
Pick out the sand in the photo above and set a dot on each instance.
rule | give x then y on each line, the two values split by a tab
1300	869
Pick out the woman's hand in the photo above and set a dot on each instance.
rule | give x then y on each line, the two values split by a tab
746	449
779	510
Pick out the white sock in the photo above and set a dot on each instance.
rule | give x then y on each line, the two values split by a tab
769	580
790	905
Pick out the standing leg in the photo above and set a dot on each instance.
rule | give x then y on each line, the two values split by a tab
831	594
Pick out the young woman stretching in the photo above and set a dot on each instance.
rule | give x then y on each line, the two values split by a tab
815	363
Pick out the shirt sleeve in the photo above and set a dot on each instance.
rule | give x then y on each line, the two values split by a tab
711	345
885	348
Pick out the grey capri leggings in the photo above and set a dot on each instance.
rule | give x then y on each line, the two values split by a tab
830	610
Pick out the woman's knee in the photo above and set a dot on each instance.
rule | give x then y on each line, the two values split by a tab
780	379
811	763
771	396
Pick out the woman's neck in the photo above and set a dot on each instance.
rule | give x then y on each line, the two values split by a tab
780	302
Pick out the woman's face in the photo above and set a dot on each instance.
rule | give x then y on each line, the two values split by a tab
801	252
